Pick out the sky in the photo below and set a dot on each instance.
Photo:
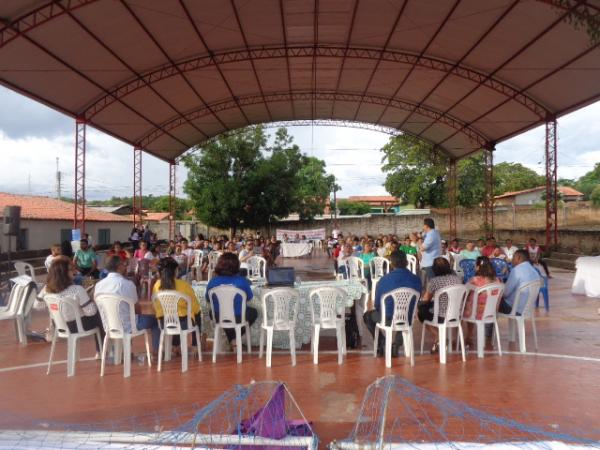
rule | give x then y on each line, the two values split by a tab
32	136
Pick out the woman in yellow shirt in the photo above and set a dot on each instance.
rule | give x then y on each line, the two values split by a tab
168	281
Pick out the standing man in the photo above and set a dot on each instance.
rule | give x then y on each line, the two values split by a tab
431	248
147	237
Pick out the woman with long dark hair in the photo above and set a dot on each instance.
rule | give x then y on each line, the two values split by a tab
168	281
228	272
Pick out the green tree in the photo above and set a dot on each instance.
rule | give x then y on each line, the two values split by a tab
238	178
511	177
595	196
588	182
348	208
182	206
314	187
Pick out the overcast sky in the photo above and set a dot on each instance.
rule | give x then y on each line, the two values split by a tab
32	136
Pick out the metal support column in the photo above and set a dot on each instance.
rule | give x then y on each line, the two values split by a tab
172	199
488	201
137	186
452	198
551	183
79	211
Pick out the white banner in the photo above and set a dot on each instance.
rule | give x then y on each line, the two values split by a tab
316	234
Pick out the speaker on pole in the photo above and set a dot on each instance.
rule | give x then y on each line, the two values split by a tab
12	220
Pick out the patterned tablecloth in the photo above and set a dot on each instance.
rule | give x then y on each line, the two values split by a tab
354	289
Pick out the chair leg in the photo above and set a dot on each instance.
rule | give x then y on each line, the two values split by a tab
340	343
160	348
183	339
375	340
248	338
405	345
216	343
21	333
535	340
71	355
442	344
293	345
521	330
52	348
388	347
239	345
316	345
269	345
480	339
462	342
198	343
148	354
117	347
497	330
99	340
422	337
511	330
261	342
450	334
103	359
126	356
411	345
168	347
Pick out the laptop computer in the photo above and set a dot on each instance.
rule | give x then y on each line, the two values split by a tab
281	276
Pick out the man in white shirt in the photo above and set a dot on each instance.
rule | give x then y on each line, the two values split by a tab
509	249
245	254
54	252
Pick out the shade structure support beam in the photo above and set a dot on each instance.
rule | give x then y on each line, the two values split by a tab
452	198
488	201
79	206
172	198
137	186
551	183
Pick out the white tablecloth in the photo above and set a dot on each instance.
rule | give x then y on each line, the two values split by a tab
294	250
587	277
303	330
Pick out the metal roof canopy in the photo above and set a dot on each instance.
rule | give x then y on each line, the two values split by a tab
165	75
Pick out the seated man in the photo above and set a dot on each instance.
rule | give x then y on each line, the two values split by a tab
116	283
85	260
521	273
398	277
55	251
509	249
489	248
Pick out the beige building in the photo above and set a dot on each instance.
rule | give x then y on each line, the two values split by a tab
46	221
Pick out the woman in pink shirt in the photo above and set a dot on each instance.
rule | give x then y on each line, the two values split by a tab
484	275
140	253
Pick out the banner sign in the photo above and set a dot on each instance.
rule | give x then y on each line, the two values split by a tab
316	234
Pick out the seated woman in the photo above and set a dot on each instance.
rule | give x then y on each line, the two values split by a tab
140	253
117	250
181	261
168	281
60	282
366	256
484	275
341	260
443	277
228	273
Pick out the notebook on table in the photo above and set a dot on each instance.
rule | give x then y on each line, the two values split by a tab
281	276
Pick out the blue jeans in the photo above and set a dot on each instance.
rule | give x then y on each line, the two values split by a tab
149	322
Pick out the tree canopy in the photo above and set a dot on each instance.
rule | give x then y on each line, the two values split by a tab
588	182
159	203
239	178
348	208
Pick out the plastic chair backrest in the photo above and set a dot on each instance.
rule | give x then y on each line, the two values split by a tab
58	306
402	297
412	263
457	295
457	257
143	268
500	266
527	293
257	268
379	267
213	257
169	301
197	262
355	268
225	296
27	298
468	267
493	293
14	298
285	303
109	306
329	304
24	268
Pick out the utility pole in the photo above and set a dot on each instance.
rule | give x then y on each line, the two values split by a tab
58	182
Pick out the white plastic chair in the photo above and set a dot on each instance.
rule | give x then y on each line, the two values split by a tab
494	294
284	311
257	269
196	264
18	308
169	301
401	323
109	306
58	306
224	296
213	257
355	268
412	263
457	258
24	268
378	267
328	313
452	317
526	293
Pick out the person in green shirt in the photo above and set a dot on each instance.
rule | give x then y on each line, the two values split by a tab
85	260
470	252
407	247
366	256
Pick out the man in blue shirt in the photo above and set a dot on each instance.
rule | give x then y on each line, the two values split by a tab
399	277
522	272
430	249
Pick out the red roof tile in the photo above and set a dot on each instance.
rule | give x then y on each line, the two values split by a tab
46	208
372	198
564	190
156	216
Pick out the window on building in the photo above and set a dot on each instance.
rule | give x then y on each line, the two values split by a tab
104	236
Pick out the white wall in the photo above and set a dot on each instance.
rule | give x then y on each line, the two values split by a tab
41	234
530	198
